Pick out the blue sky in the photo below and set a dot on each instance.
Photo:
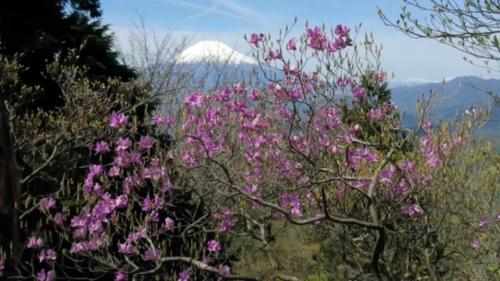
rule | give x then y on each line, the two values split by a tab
228	20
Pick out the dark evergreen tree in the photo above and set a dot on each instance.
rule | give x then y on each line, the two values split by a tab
38	31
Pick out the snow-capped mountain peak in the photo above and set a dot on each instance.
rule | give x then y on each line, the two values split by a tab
213	51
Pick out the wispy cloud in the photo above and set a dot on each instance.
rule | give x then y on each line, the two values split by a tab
226	8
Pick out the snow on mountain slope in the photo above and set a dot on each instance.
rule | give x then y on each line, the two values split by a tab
213	51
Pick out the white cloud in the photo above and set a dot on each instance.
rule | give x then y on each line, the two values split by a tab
226	8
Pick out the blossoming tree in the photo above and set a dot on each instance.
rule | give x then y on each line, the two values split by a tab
319	145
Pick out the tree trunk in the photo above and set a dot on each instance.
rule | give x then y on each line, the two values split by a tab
9	190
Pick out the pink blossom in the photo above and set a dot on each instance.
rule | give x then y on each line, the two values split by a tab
343	82
146	143
256	38
35	242
413	210
123	144
427	125
151	255
194	100
387	174
292	44
408	166
163	120
169	224
274	55
59	219
379	78
342	30
121	202
476	244
376	114
118	120
292	202
398	190
2	265
95	170
46	204
101	147
120	276
290	70
316	38
47	255
358	93
185	275
388	107
255	95
114	171
239	88
188	159
223	270
213	246
226	225
46	275
126	248
482	223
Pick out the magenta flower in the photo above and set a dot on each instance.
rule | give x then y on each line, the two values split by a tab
413	210
151	255
226	225
476	244
427	125
34	242
123	144
274	55
358	93
101	147
46	275
59	219
388	107
223	270
376	114
342	30
292	44
46	204
387	174
120	276
158	120
317	39
256	38
2	265
169	224
239	88
126	248
146	143
213	246
185	275
95	170
47	255
292	202
482	223
194	100
118	120
343	82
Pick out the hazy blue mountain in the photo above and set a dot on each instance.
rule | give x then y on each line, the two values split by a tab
452	99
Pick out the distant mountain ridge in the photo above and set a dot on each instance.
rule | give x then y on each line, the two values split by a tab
452	98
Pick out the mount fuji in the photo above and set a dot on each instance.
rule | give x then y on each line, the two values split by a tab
213	64
213	51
